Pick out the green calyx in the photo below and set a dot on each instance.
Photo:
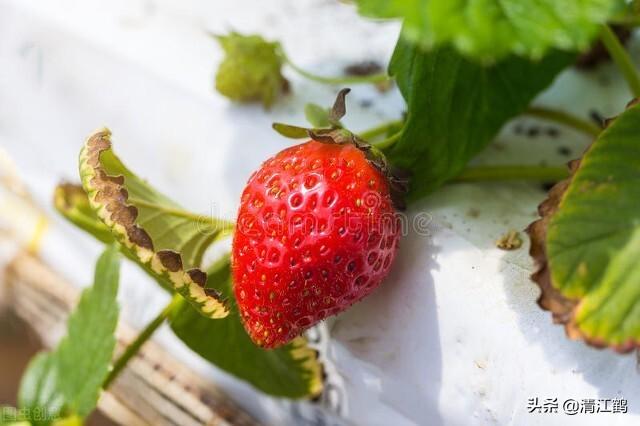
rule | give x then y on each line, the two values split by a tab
335	133
251	69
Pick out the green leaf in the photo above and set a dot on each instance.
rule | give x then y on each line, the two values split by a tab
493	29
39	396
163	238
291	371
456	107
316	115
84	356
289	131
68	380
588	242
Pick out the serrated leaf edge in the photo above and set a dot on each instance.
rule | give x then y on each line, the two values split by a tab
562	308
308	357
551	299
108	197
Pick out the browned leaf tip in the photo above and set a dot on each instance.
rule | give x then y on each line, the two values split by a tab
561	308
111	193
66	193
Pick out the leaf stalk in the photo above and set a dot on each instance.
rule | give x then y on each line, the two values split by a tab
347	79
381	129
144	335
563	117
511	173
621	59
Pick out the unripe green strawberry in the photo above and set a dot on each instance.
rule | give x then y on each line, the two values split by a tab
251	69
316	232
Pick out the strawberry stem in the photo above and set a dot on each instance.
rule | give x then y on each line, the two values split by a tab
388	142
564	118
381	129
621	58
347	79
558	116
629	21
516	172
144	335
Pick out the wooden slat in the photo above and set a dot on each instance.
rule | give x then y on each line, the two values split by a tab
154	389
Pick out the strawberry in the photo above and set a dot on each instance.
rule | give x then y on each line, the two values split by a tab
316	232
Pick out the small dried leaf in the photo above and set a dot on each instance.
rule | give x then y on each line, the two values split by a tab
339	108
509	241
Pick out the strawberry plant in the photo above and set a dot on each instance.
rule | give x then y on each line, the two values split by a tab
318	225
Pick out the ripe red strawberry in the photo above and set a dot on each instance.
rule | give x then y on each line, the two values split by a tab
316	232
